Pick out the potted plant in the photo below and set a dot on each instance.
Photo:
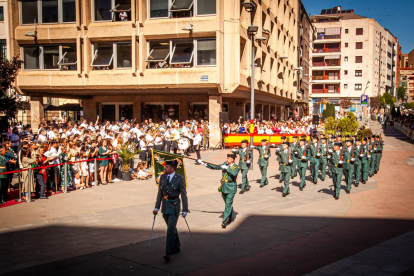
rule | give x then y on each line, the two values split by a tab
126	152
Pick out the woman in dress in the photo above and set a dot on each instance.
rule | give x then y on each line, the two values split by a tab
28	158
103	165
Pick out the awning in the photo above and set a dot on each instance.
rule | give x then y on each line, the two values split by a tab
332	31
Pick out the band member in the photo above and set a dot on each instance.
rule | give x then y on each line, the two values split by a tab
349	159
142	148
172	185
228	186
323	161
359	155
302	162
337	162
313	159
245	158
263	161
293	147
284	168
167	140
175	136
197	145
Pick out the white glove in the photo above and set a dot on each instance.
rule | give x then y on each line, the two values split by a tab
361	155
318	154
277	149
252	146
369	156
233	150
295	152
290	161
266	156
303	157
273	145
330	150
340	162
352	159
156	209
225	167
184	214
248	161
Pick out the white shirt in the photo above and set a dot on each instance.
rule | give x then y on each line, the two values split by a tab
170	176
42	138
142	145
149	139
197	139
175	134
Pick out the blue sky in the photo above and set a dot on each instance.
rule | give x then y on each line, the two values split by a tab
395	15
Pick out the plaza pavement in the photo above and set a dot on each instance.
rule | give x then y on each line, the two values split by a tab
105	230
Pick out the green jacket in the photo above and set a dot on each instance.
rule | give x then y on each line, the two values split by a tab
262	161
312	153
3	166
302	163
244	156
280	147
293	147
348	163
228	180
169	195
336	167
284	165
357	154
323	151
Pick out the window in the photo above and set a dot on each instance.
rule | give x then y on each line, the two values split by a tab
205	7
182	55
112	10
359	31
31	57
51	11
50	57
29	12
346	44
159	9
346	72
69	58
345	86
206	52
358	73
358	86
181	8
358	59
102	10
345	58
3	49
106	54
346	31
160	51
1	14
358	45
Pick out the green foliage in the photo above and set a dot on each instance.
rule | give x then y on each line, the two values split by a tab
329	111
331	125
126	155
364	132
409	105
401	93
346	125
387	99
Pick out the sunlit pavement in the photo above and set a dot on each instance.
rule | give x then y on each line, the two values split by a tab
105	230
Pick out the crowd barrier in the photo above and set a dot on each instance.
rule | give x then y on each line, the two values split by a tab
30	172
404	130
231	140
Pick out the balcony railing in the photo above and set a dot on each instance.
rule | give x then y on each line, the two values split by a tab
317	90
327	63
323	36
318	77
326	50
326	90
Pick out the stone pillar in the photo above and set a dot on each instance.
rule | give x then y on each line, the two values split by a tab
183	114
89	110
282	113
278	113
36	112
214	106
266	112
136	111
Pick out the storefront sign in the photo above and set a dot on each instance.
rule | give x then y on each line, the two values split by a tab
204	78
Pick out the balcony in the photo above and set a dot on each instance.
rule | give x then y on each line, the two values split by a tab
325	89
327	61
327	48
324	36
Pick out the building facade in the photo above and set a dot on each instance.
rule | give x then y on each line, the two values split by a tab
407	81
353	55
140	58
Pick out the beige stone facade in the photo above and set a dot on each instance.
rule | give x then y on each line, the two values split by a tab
352	55
407	81
153	59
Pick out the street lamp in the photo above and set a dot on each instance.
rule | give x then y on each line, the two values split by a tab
251	30
369	103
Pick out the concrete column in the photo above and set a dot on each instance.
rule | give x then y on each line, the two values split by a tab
36	112
183	114
283	113
266	112
136	111
214	106
278	112
89	110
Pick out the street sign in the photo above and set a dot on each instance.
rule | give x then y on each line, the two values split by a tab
364	100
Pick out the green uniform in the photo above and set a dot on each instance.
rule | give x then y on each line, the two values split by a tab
358	163
293	147
323	160
349	167
373	152
169	191
314	162
380	147
263	163
365	162
285	169
228	187
302	164
246	157
336	172
3	178
278	149
330	150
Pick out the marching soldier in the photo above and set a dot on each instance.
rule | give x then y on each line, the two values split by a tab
169	190
302	158
245	158
359	154
380	147
323	161
313	159
337	162
228	186
349	160
330	143
293	147
284	168
263	161
279	148
365	160
373	152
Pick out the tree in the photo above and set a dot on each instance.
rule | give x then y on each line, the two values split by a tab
386	98
409	105
9	104
375	102
329	111
401	93
345	103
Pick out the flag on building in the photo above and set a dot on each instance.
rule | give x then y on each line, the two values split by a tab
158	164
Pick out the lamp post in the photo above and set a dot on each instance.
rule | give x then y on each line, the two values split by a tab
369	103
251	30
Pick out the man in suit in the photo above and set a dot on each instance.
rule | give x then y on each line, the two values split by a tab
302	162
284	167
244	164
228	186
171	186
263	161
337	172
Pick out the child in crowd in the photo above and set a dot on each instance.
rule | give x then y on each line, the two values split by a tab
146	170
140	174
84	169
77	182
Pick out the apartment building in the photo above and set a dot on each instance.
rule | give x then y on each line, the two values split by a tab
352	55
133	59
407	81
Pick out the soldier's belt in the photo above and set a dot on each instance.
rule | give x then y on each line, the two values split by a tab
242	160
313	156
170	197
336	165
2	167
